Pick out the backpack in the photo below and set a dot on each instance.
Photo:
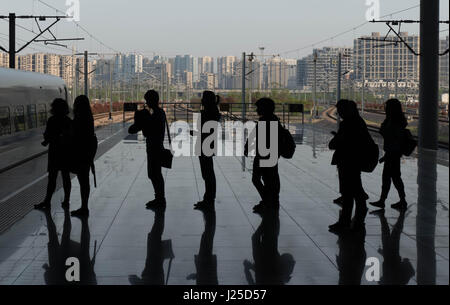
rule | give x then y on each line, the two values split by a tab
369	155
286	144
409	144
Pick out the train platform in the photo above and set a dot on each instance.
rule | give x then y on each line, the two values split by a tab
122	243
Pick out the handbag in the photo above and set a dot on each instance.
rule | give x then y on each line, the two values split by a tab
167	156
409	143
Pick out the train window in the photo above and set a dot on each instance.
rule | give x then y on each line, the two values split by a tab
5	121
19	119
42	114
31	116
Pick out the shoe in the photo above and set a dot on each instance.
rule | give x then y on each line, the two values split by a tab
80	213
204	205
339	201
42	206
378	204
402	205
339	227
156	203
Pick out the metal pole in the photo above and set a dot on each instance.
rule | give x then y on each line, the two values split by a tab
139	86
243	102
12	41
168	86
77	77
429	75
111	90
396	82
363	87
314	85
86	74
428	141
338	91
338	95
73	73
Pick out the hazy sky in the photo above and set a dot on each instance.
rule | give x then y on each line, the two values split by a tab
213	27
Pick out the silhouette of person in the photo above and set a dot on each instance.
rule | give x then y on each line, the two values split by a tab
265	179
351	259
84	149
57	137
210	113
269	266
392	130
153	273
340	200
347	143
152	122
58	253
205	260
396	271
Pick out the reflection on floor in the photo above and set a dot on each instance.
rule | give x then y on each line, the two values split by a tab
123	243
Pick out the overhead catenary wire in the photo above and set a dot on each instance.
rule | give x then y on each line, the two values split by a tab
346	31
80	26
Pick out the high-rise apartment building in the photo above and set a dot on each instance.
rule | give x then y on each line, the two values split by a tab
182	64
386	61
207	81
4	60
326	66
226	71
127	65
25	62
205	65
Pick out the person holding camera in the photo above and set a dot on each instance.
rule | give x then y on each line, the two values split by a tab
152	123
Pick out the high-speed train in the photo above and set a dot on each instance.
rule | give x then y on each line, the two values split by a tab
25	99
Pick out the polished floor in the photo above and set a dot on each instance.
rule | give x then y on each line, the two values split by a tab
123	243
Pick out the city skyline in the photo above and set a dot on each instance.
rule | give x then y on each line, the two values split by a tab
382	63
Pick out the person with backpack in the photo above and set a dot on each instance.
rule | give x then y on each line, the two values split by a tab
209	114
266	179
84	149
350	144
393	132
57	137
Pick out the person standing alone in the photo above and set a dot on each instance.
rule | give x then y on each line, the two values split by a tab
152	122
57	137
209	115
392	130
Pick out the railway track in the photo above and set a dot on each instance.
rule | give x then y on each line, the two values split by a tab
415	117
376	129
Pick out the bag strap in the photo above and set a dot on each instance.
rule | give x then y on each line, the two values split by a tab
168	131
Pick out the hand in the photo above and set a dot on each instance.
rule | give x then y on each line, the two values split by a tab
133	129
